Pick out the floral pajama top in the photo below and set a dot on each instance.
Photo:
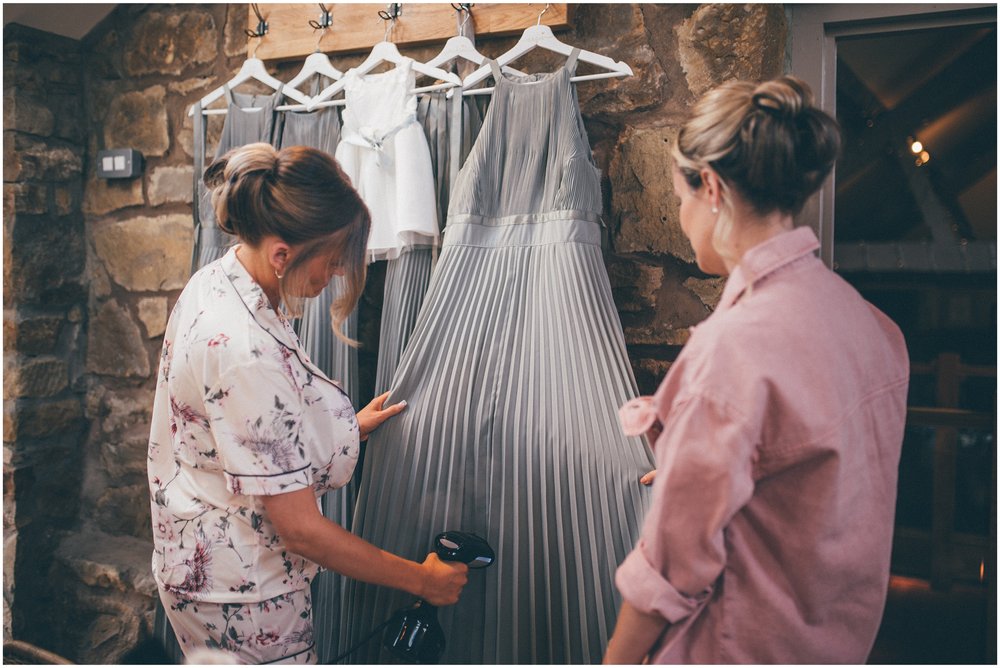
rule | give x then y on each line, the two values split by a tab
240	412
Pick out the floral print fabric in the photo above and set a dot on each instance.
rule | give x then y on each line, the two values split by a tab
277	630
240	412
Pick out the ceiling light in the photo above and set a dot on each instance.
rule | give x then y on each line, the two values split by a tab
916	147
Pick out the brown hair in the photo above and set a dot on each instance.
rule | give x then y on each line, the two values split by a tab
766	140
302	196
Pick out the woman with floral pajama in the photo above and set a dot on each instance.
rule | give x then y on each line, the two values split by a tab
248	434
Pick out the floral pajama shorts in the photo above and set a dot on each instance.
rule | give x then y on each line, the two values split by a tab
278	630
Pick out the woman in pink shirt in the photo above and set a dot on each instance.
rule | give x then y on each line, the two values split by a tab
778	429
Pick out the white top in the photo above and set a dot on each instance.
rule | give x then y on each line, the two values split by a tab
384	151
240	412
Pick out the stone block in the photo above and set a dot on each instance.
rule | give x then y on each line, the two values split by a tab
153	315
115	345
649	373
147	254
643	195
35	159
66	200
138	119
183	88
656	335
125	459
635	285
720	42
170	41
171	184
26	198
124	511
708	290
49	418
618	31
103	196
34	377
236	25
33	335
29	115
112	562
125	410
44	259
100	282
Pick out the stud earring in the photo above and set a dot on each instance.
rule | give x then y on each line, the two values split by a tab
715	209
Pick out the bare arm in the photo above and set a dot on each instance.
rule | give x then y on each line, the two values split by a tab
307	533
634	636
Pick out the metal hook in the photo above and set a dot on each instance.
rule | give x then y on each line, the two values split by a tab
392	11
460	8
325	20
261	23
540	15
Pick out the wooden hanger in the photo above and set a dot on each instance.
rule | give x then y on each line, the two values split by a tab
540	36
317	63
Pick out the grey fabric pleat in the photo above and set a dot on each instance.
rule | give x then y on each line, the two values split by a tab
408	276
243	125
514	374
240	127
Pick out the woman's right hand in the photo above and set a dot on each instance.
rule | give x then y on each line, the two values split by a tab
443	580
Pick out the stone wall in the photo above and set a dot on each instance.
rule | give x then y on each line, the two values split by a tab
44	315
141	70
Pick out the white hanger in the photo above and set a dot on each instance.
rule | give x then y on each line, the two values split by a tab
386	52
253	68
316	63
540	36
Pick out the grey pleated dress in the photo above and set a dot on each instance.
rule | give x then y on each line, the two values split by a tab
241	126
514	374
451	127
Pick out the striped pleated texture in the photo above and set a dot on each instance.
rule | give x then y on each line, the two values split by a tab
514	374
408	276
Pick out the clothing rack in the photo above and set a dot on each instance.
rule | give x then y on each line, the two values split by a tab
355	27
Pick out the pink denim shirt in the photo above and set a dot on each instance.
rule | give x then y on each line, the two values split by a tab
769	536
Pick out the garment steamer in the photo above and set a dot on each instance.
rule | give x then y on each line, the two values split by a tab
413	634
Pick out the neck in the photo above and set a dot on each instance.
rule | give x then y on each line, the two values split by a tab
752	230
255	261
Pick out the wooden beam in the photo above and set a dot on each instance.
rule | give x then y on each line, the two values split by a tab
357	27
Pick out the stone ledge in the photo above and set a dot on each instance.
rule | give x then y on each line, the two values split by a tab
121	563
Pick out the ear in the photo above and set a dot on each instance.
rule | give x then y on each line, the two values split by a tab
713	188
278	255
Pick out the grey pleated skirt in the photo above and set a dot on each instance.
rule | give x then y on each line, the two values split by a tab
513	374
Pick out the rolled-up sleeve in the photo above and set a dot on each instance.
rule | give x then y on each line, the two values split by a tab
255	413
704	476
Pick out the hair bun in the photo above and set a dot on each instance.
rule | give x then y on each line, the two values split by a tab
784	97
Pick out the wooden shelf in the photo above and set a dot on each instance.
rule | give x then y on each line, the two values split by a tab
358	27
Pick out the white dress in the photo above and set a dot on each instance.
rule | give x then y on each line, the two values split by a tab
384	151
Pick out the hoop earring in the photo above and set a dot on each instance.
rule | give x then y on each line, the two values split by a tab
277	275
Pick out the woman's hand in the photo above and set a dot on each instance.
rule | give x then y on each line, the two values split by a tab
648	479
443	580
372	415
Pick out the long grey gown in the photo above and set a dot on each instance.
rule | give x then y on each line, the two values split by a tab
513	375
241	126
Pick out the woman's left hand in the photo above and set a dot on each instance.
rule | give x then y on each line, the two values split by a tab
372	415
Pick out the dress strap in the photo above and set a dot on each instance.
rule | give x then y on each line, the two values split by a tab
229	93
497	74
572	60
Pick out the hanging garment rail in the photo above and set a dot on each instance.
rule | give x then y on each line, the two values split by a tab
355	27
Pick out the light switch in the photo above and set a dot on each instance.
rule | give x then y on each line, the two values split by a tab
119	163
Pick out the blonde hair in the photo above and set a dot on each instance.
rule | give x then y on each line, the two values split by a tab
767	141
302	196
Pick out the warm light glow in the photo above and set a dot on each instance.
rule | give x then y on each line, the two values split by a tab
916	147
925	156
982	569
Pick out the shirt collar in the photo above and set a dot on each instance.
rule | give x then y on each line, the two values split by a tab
765	259
256	301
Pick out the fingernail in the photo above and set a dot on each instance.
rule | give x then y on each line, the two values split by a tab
403	402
